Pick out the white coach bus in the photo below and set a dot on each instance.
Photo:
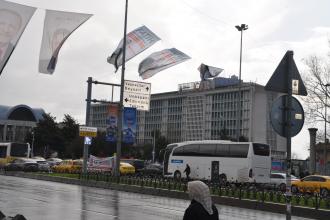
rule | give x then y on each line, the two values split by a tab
219	160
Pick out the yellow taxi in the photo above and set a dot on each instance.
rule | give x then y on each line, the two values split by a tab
126	168
311	184
68	166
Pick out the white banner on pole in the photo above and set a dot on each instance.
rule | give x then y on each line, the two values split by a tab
58	26
13	20
136	41
207	71
159	61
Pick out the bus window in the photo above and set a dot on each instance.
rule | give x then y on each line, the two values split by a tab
179	151
191	150
222	150
19	150
3	151
207	150
239	150
261	149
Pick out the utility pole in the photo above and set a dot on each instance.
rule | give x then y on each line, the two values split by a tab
88	108
120	109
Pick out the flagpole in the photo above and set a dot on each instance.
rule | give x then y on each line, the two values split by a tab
120	109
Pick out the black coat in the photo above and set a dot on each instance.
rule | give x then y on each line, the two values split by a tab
196	211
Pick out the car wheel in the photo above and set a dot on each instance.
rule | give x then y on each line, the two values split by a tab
282	187
177	175
324	193
294	189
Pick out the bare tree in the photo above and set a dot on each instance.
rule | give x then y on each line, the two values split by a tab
317	81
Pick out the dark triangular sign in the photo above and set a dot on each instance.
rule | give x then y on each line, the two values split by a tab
279	80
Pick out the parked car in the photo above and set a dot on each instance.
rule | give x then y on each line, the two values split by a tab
68	166
126	168
311	184
154	169
22	164
42	164
279	180
137	163
53	161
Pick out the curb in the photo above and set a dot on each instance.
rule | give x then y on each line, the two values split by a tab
228	201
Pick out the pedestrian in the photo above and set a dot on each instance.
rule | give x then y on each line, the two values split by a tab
187	171
201	207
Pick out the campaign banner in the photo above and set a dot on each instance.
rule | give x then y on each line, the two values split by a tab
112	121
159	61
103	164
207	71
13	20
58	26
136	41
129	125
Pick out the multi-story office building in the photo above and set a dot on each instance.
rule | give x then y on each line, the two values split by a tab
207	110
17	121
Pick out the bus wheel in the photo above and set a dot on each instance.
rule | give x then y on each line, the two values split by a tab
177	175
223	179
282	187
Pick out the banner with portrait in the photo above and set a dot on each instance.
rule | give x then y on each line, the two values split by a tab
159	61
58	26
137	41
129	125
13	20
112	123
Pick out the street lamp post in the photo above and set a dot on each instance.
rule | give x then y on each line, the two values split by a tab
240	28
153	147
325	128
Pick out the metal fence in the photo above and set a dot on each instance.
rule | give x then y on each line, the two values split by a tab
259	193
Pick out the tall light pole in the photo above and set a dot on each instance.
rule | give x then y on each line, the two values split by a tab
153	147
240	28
32	150
325	127
120	109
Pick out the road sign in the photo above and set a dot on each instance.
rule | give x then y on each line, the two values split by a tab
279	79
87	131
137	95
88	141
278	114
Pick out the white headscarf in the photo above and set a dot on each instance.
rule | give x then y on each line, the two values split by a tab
200	192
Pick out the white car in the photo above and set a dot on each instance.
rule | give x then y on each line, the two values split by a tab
42	164
279	180
54	161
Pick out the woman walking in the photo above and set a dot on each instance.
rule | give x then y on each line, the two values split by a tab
201	207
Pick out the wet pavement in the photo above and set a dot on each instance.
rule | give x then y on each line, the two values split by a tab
42	200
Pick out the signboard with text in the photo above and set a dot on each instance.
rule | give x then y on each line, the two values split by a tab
87	131
137	95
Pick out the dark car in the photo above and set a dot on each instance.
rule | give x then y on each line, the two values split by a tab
154	169
22	164
138	164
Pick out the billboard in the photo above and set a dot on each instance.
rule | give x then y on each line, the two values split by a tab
129	125
111	121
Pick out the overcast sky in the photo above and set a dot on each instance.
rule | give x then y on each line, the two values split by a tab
203	29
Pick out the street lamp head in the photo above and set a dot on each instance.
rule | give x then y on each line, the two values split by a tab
243	27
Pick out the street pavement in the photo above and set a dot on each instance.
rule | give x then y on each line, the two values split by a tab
42	200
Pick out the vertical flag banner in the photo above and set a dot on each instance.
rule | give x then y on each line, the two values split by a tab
58	26
129	125
207	72
159	61
136	41
111	121
13	20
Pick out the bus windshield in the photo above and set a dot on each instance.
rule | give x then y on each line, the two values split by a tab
261	149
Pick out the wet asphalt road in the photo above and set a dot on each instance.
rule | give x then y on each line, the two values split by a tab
42	200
